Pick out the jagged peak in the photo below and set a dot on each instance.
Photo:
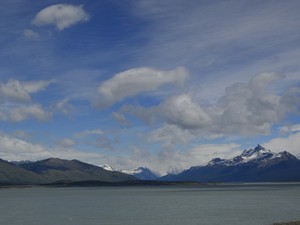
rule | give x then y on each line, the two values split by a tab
257	150
259	147
215	161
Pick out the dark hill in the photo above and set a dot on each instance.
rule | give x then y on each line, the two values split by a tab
54	169
12	174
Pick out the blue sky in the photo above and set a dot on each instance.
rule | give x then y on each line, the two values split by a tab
163	84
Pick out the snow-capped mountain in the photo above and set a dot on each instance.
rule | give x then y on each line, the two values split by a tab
141	173
258	164
257	155
107	167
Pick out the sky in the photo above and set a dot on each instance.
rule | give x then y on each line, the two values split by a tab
161	84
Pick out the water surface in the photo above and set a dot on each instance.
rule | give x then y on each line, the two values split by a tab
229	204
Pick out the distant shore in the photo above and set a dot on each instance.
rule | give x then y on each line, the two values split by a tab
93	183
288	223
142	183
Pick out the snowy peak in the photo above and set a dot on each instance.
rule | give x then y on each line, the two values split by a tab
141	173
257	155
133	171
107	167
257	151
259	148
252	165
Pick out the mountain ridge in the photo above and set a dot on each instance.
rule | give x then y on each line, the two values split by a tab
253	165
54	170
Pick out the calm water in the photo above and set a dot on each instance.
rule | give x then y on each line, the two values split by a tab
230	205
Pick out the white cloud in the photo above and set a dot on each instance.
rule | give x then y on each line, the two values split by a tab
291	128
15	149
15	90
12	148
169	160
135	81
245	109
290	143
181	110
170	135
23	112
16	102
61	15
36	86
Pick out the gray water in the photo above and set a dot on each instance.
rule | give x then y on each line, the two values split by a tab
229	204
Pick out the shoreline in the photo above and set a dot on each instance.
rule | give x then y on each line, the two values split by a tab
288	223
146	183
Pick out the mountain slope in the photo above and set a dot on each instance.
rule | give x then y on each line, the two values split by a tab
12	174
53	170
253	165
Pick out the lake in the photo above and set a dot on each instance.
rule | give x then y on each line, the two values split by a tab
254	204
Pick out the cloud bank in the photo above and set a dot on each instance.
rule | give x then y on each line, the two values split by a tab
245	109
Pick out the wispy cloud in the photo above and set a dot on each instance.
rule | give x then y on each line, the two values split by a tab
89	132
18	113
135	81
30	34
15	90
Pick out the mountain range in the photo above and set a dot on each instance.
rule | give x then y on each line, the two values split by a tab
253	165
56	170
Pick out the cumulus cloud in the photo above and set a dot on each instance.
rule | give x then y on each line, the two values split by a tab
170	135
135	81
245	109
61	15
16	101
289	143
181	110
15	149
